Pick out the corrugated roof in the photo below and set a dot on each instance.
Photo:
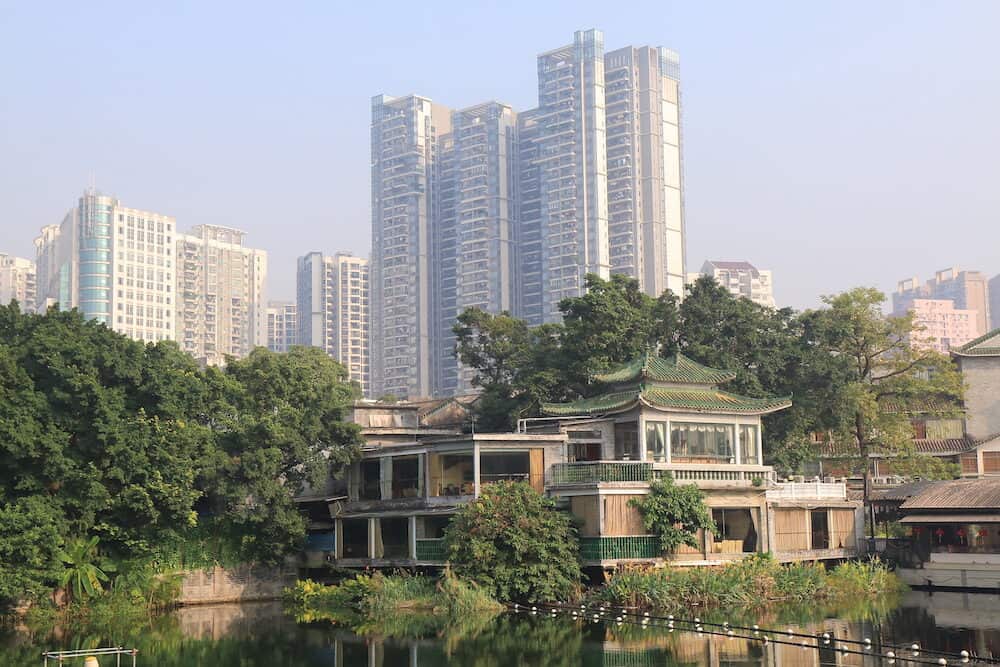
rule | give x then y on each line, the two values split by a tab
901	492
944	445
677	369
987	345
951	518
956	494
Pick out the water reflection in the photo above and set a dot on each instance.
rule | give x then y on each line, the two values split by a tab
253	635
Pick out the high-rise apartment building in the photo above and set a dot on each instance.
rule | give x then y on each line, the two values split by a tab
741	279
17	282
645	200
484	207
404	152
942	327
332	307
282	326
472	244
967	290
573	169
113	263
220	293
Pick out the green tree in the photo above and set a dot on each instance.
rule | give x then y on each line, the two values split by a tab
84	570
30	531
287	433
880	367
515	543
675	513
517	367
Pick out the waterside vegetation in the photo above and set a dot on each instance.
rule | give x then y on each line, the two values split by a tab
751	583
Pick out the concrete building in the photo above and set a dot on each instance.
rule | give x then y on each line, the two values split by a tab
645	200
993	288
282	326
332	304
221	294
463	201
943	327
113	263
741	279
979	361
17	282
404	152
473	244
966	289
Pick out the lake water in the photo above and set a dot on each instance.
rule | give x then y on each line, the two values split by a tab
262	635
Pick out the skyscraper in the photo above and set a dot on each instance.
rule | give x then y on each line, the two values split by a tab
473	242
645	202
282	326
17	282
404	151
332	307
220	294
113	263
488	208
572	170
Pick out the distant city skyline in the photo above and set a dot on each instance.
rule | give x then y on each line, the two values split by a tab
827	143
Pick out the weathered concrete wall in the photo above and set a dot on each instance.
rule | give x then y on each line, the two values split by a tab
982	395
246	582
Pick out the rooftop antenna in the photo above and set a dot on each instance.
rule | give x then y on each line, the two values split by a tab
92	183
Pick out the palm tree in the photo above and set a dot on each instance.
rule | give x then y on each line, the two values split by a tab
83	572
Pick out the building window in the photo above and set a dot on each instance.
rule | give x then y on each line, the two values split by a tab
355	538
735	531
656	441
627	442
819	526
701	443
371	480
748	444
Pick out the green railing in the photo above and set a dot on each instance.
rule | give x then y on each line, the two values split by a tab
431	550
601	471
609	548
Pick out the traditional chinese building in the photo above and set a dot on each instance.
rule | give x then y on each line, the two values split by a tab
652	418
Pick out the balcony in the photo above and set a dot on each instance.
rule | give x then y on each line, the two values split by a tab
808	491
706	475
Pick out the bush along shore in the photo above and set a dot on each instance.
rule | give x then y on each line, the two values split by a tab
370	598
754	582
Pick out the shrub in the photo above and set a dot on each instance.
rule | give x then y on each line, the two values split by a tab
515	543
674	513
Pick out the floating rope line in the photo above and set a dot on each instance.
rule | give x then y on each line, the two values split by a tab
911	653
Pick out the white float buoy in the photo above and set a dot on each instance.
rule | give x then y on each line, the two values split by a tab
964	654
942	661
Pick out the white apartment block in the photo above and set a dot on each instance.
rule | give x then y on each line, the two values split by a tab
645	203
17	282
488	208
282	326
572	169
741	279
221	293
939	325
113	263
332	307
404	152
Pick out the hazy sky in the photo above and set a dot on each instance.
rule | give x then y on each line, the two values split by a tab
838	143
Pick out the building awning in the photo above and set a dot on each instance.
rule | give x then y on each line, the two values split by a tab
951	518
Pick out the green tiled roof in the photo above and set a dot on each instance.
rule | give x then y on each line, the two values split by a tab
695	400
673	369
984	346
592	406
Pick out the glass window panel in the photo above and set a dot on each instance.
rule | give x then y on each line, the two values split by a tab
701	443
748	444
656	441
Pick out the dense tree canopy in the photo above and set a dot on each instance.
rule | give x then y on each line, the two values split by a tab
811	356
102	436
